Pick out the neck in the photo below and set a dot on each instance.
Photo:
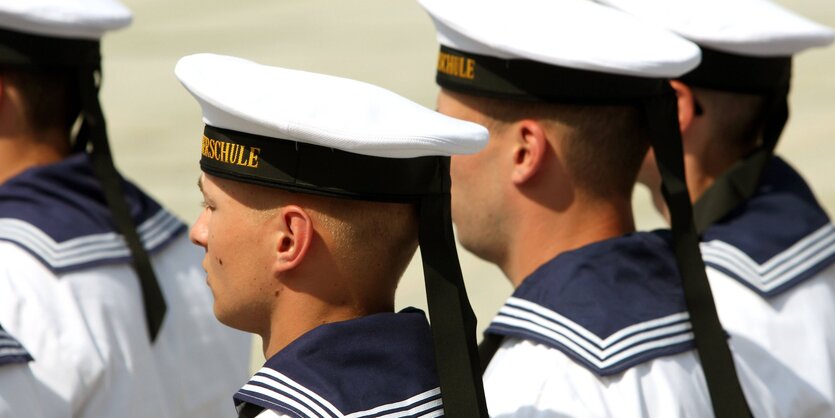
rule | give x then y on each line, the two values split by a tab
21	152
700	176
542	234
296	318
299	312
699	179
707	155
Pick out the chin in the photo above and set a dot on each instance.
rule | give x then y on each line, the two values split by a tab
472	245
237	317
480	244
459	218
224	318
209	285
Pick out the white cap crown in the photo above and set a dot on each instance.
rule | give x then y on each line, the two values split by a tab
322	110
757	28
84	19
570	33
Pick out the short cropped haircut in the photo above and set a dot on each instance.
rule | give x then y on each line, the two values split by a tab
50	98
380	236
378	240
605	146
737	117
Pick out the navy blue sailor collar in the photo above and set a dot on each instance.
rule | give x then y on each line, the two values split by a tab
609	306
11	351
777	239
57	212
374	366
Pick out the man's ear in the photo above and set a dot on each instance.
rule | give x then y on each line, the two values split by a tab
295	233
528	151
686	104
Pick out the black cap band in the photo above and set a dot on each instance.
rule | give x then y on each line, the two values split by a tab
522	79
740	74
319	170
23	50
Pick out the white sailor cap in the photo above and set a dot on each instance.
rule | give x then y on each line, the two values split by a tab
746	44
57	34
255	113
497	47
79	19
747	47
331	136
744	27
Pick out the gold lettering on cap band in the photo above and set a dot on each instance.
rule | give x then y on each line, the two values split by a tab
456	66
230	153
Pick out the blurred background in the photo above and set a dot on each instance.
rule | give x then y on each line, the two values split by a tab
155	126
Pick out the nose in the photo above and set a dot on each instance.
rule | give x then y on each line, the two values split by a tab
199	231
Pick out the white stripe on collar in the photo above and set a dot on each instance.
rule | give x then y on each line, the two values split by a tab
10	349
418	402
87	249
276	399
280	390
777	271
281	383
601	353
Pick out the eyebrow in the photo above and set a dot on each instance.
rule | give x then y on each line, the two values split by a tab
200	183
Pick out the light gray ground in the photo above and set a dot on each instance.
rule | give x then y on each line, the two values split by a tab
155	125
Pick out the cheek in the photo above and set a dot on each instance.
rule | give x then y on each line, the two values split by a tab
239	250
244	288
462	168
466	182
224	246
472	172
215	238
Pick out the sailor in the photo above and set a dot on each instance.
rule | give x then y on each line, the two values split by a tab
768	245
116	328
604	321
318	190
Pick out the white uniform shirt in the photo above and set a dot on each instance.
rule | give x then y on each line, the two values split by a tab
21	395
87	333
531	380
603	331
269	413
771	267
76	307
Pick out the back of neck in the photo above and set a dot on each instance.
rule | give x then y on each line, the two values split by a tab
21	152
541	235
